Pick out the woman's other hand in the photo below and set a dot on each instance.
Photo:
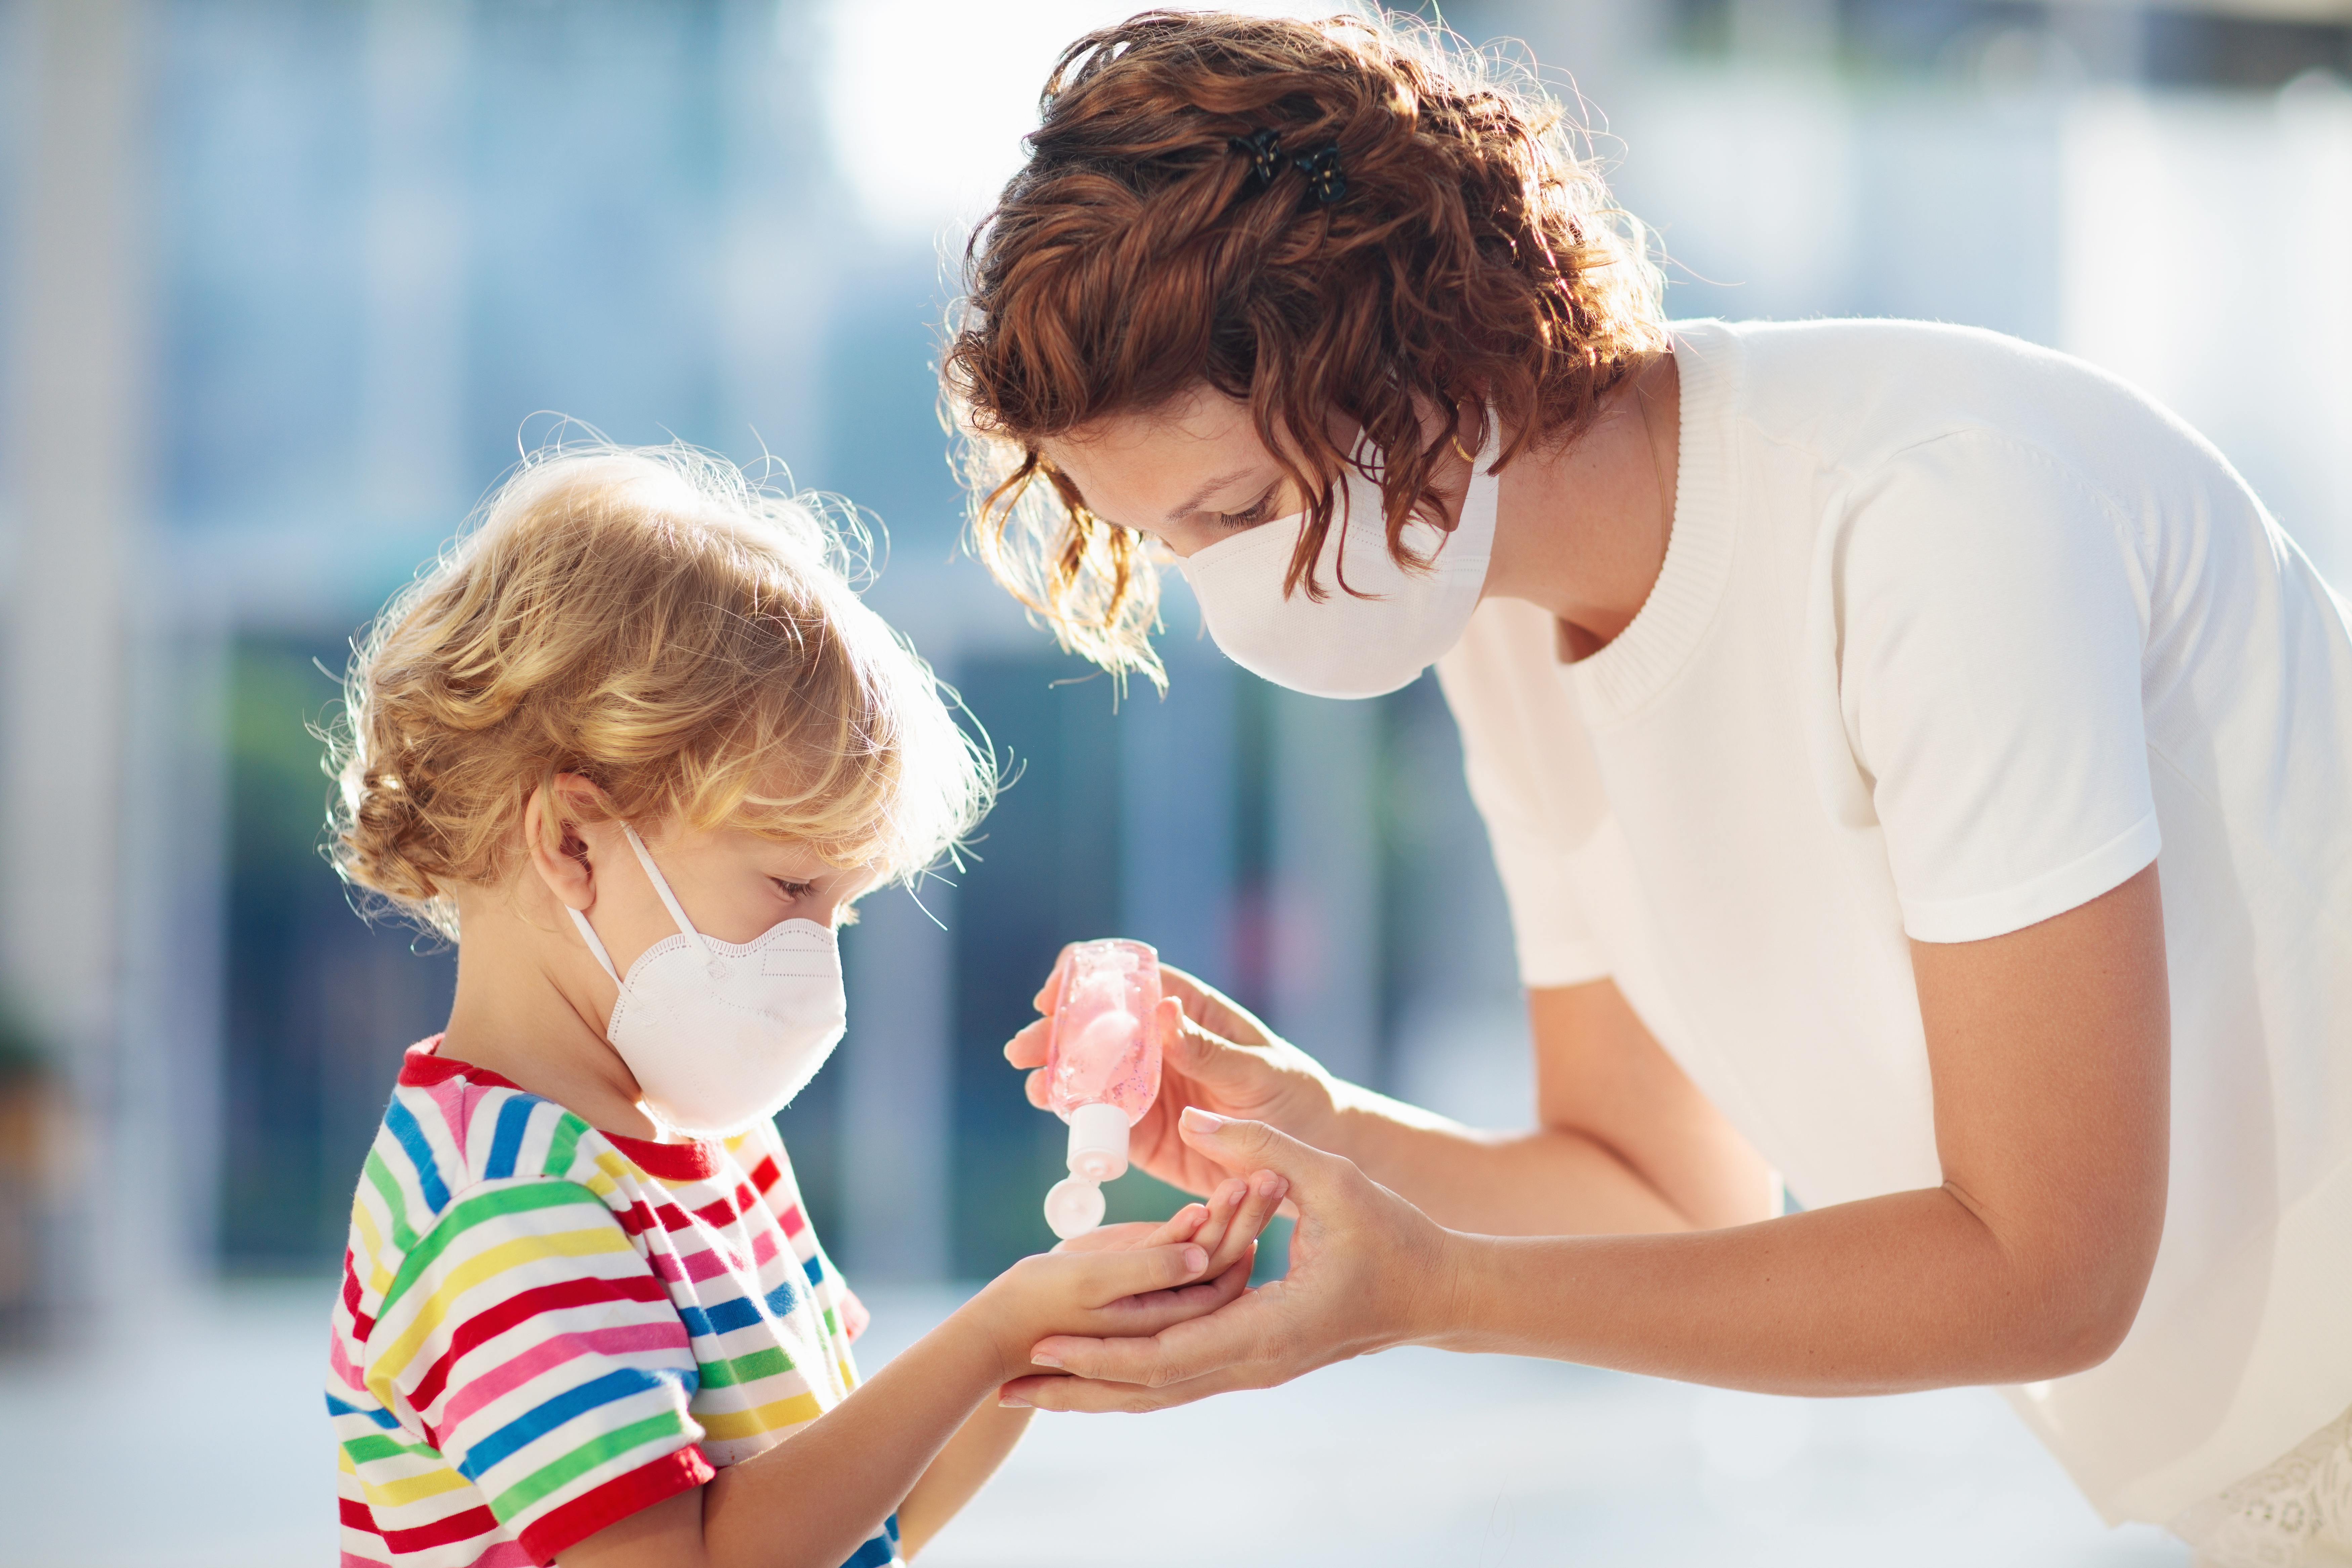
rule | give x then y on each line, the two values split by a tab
1214	1054
1367	1270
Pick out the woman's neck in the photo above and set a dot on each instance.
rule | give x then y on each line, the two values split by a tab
1582	529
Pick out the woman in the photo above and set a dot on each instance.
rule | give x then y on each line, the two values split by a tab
1915	761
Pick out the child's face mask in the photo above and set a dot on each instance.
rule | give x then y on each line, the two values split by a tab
721	1034
1347	646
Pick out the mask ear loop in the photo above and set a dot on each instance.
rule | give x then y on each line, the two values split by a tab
668	899
604	959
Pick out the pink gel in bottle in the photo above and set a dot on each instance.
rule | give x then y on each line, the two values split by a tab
1102	1070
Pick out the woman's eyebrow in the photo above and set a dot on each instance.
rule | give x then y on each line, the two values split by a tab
1192	502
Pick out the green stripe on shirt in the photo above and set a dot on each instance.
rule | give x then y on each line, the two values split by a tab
380	1178
586	1456
377	1445
470	1211
749	1368
563	1146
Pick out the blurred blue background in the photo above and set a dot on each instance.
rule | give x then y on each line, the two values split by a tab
286	284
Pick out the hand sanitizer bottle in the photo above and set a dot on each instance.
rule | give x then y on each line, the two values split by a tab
1102	1070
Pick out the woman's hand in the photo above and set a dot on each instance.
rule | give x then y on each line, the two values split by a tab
1128	1279
1367	1270
1214	1055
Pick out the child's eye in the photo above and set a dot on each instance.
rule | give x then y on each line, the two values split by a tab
1251	518
794	891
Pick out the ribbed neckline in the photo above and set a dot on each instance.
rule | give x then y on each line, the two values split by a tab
696	1159
1614	683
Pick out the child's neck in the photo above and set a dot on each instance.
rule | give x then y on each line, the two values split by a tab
510	1016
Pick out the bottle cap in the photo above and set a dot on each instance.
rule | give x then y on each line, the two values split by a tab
1074	1207
1099	1142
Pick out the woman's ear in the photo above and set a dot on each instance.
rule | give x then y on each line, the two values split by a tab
553	832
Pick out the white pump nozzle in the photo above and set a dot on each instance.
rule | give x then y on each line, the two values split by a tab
1074	1207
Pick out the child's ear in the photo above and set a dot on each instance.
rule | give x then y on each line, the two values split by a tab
553	831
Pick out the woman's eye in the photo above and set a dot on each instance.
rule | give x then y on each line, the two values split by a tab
1250	519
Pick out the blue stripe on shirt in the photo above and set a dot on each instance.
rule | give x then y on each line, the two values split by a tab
401	1125
380	1415
611	1388
506	1144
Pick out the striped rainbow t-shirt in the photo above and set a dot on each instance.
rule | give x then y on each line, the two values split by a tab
544	1328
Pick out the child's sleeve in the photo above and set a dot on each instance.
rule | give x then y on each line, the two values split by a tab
539	1353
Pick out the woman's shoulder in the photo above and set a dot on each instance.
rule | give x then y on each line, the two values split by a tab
1858	396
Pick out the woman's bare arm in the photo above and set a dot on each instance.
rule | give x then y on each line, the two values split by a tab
1625	1141
2050	1051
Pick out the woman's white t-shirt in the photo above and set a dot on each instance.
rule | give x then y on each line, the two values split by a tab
1954	634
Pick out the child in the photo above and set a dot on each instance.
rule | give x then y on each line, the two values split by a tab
636	746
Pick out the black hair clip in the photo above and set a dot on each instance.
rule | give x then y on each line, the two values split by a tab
1263	149
1324	177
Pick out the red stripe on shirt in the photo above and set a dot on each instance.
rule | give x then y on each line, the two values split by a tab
766	1174
492	1322
616	1500
461	1526
361	1324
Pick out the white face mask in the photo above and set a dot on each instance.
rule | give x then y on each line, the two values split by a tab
1347	646
721	1034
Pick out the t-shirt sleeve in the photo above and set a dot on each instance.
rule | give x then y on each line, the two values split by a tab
1991	624
532	1343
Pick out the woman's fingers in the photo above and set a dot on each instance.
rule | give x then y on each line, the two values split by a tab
1193	1354
1050	994
1212	1008
1052	1391
1153	1312
1027	1048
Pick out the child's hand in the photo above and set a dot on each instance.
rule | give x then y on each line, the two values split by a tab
1227	1226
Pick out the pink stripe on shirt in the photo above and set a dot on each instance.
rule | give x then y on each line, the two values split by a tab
479	1390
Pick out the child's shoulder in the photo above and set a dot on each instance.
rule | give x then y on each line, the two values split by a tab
450	1127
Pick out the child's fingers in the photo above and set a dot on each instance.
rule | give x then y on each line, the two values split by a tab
1263	1195
1118	1238
1225	1200
1182	1225
1034	1086
1148	1312
1111	1276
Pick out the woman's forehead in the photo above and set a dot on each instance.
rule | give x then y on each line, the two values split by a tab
1147	470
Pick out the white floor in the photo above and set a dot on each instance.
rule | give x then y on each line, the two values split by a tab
203	1443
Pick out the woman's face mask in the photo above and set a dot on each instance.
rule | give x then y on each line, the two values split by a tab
1347	646
722	1034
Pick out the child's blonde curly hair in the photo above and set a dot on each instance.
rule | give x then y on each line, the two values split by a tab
653	620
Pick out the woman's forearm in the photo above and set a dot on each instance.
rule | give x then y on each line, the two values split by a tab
1546	1182
1906	1291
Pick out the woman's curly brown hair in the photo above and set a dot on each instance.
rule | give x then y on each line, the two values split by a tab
1475	259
